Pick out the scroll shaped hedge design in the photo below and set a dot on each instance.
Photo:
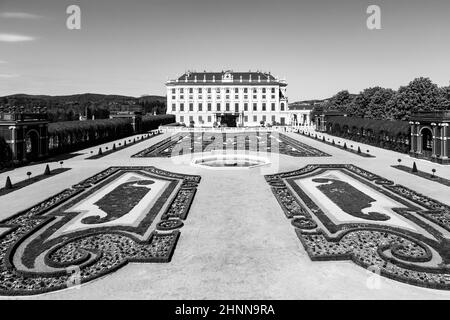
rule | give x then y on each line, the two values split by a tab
412	257
35	258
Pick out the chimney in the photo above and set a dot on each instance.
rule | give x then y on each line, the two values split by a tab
214	78
250	78
195	78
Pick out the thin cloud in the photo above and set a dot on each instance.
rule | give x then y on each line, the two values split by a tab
7	37
19	15
8	76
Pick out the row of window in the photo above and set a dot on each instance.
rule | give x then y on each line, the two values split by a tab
226	90
227	107
227	97
246	118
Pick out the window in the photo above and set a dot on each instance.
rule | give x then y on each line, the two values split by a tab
255	119
227	90
209	106
200	107
227	107
227	97
191	107
245	90
181	106
282	120
218	90
264	106
282	106
273	90
174	97
255	90
182	97
191	97
245	118
191	90
200	119
209	97
181	90
218	97
209	118
209	90
272	97
273	119
218	107
200	97
264	118
255	107
191	118
174	108
236	107
245	97
236	90
246	106
273	106
264	90
199	90
254	97
264	96
236	97
181	118
173	91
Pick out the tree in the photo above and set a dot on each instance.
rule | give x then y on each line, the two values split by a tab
414	168
421	94
8	184
47	171
377	107
339	102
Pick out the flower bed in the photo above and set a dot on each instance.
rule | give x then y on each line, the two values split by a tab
396	252
76	256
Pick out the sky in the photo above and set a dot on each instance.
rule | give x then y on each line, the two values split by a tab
133	47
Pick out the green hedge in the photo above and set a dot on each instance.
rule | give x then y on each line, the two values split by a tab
153	122
392	135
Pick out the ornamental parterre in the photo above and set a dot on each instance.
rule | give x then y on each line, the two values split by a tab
88	230
406	239
197	142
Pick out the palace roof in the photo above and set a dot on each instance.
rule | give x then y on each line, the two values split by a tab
228	77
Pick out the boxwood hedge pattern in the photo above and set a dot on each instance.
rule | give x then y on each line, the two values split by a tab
197	142
52	262
403	255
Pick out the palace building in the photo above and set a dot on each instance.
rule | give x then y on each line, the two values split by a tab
228	98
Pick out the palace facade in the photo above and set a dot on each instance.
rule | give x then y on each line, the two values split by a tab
228	98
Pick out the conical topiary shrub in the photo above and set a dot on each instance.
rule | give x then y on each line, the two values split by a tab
8	184
359	150
47	171
333	143
114	147
100	152
414	168
125	143
345	145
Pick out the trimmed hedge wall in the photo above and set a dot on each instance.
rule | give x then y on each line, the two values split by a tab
74	135
392	135
153	122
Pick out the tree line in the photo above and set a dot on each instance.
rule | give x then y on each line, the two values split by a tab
98	106
421	94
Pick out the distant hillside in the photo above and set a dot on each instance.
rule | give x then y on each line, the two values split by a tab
68	108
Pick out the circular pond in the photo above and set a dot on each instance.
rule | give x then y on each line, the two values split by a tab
230	161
